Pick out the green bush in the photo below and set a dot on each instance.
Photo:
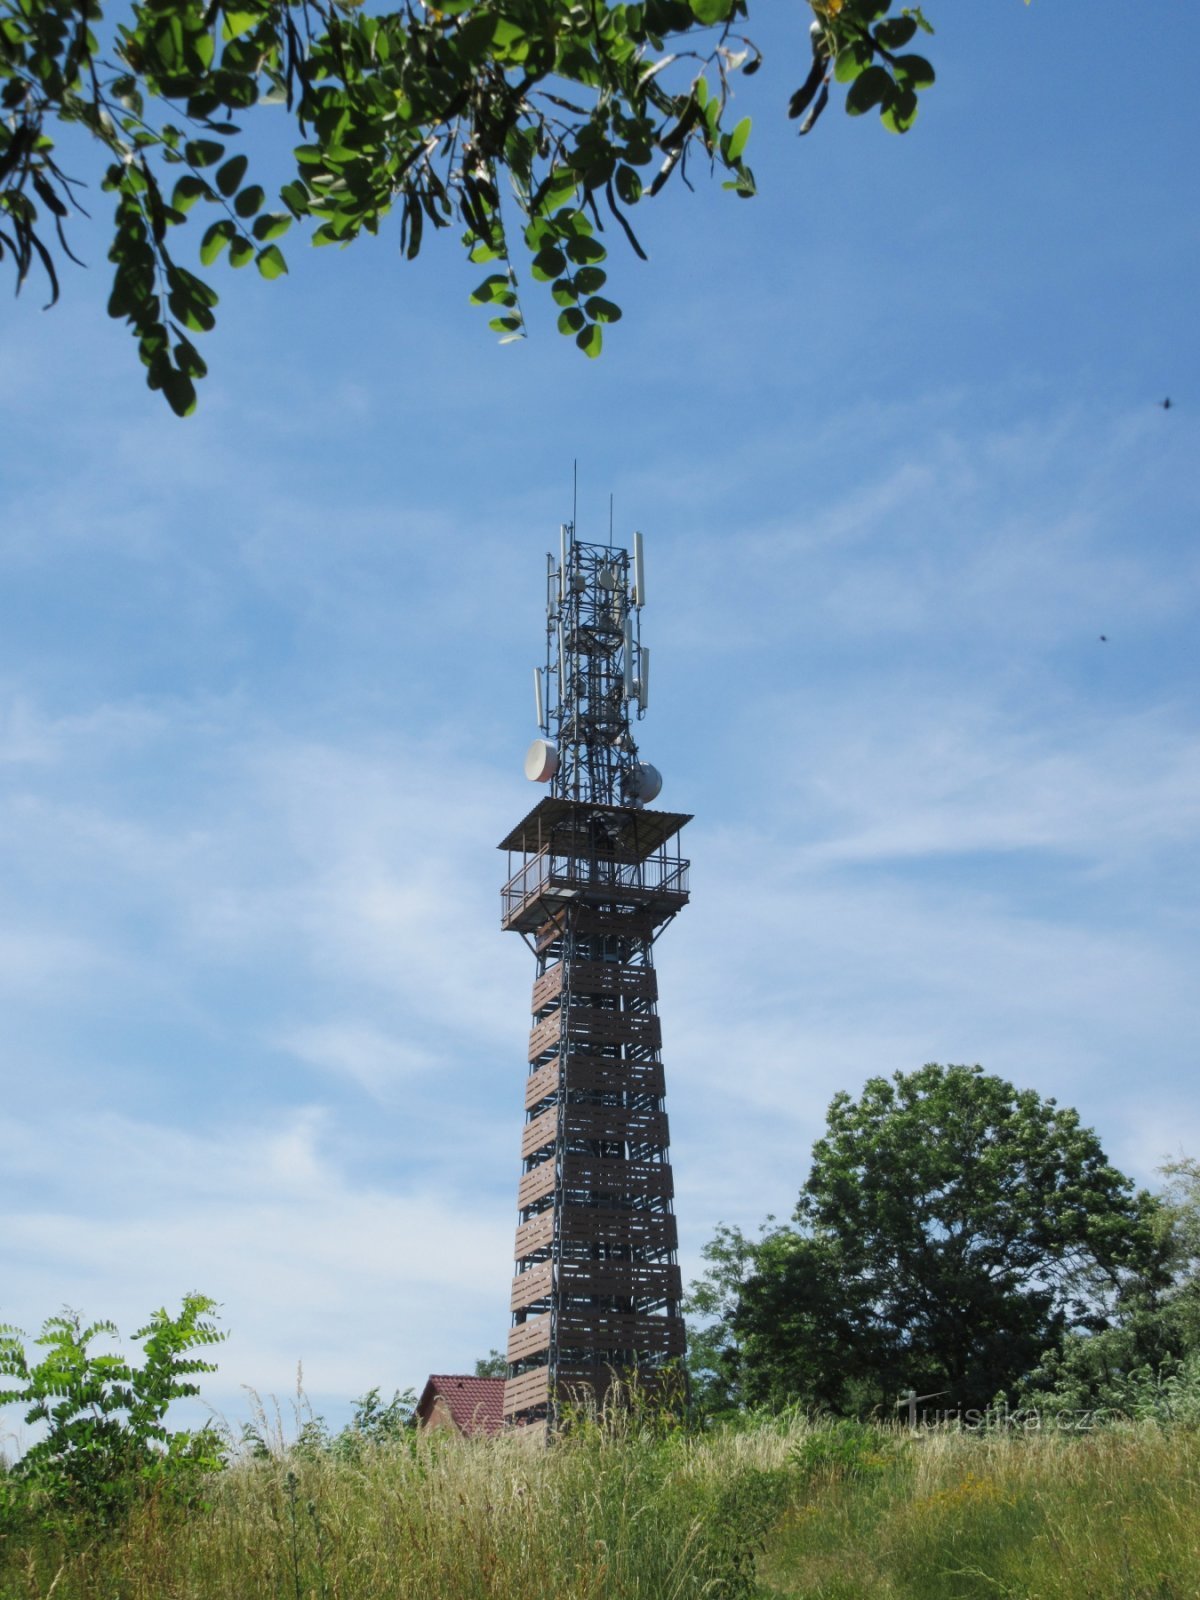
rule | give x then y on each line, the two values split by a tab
844	1448
106	1440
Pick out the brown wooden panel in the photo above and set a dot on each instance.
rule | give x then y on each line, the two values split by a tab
541	1083
599	1176
525	1339
635	1280
611	977
588	1025
592	1122
644	1127
545	1035
548	987
608	1330
534	1235
526	1392
535	1284
535	1185
602	1075
584	1226
540	1132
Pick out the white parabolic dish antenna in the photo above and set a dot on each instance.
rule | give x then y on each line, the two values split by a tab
541	761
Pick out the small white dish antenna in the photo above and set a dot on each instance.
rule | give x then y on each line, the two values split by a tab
541	761
642	784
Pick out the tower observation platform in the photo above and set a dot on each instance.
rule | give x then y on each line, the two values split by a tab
594	876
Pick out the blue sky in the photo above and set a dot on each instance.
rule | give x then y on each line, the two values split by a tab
892	434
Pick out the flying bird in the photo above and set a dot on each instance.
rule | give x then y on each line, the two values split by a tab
1103	638
1166	404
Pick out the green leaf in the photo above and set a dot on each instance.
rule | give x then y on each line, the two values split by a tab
188	190
874	88
629	185
236	23
203	152
229	177
241	251
710	11
272	225
896	32
853	60
549	263
589	279
581	250
215	240
602	310
590	340
271	263
571	320
914	71
492	289
249	201
737	140
902	113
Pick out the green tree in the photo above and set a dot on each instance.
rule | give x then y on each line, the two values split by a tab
1153	1339
521	124
493	1365
106	1436
952	1229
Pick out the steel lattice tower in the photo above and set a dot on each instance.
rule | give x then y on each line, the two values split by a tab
595	879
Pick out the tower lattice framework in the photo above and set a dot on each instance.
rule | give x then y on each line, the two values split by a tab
594	877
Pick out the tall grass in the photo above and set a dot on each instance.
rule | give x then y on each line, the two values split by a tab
1113	1515
778	1508
604	1515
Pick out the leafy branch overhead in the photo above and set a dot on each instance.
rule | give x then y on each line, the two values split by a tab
529	125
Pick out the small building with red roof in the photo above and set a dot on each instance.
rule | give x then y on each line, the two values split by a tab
470	1406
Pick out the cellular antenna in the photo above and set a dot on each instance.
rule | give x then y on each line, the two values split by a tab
639	572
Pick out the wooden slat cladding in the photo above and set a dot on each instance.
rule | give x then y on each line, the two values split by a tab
596	977
589	1025
526	1392
594	1329
532	1285
598	1175
630	1280
529	1338
633	1280
535	1185
534	1235
540	1132
596	1075
545	1035
586	1226
653	1233
595	1175
541	1083
591	1122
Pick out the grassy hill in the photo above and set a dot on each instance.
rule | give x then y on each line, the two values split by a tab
767	1508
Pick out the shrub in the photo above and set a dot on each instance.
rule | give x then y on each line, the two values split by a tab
106	1438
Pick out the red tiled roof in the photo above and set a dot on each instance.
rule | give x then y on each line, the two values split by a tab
476	1405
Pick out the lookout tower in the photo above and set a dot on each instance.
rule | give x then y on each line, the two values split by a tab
594	877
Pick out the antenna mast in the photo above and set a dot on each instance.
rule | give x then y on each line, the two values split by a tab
596	676
593	879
